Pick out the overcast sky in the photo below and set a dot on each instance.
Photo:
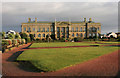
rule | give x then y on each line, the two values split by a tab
14	13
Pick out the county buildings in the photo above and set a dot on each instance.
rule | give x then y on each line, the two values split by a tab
60	29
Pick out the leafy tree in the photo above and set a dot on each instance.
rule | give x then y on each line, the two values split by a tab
31	37
23	35
3	35
17	36
52	36
11	36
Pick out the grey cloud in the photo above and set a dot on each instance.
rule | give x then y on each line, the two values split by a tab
104	12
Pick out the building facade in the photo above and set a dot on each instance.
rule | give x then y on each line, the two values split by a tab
60	29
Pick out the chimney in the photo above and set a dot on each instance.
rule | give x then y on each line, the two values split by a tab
84	19
29	19
35	19
90	19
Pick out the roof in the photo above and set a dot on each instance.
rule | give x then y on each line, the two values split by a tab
57	21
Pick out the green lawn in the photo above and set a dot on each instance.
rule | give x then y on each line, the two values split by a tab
58	44
55	59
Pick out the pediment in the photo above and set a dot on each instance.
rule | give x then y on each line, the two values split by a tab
63	23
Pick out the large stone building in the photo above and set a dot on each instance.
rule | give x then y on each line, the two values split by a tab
66	29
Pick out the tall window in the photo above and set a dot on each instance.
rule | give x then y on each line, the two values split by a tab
81	35
58	29
34	35
51	29
24	28
72	29
73	34
29	29
58	35
43	35
47	29
39	30
81	29
76	29
39	35
77	35
33	29
62	29
98	28
67	29
43	29
84	29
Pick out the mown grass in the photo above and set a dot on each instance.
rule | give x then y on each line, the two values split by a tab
55	59
59	44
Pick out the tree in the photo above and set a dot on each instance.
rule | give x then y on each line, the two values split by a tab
31	37
17	36
23	35
11	36
52	36
3	35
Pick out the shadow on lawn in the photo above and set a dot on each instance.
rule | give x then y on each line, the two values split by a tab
28	66
24	65
14	56
27	47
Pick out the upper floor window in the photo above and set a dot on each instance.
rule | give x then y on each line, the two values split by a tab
63	29
58	29
33	29
84	29
51	29
76	29
25	29
47	29
81	29
43	29
67	29
29	29
38	29
98	28
72	29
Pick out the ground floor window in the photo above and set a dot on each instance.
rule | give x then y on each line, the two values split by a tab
39	35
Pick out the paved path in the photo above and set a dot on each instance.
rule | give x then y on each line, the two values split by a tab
106	65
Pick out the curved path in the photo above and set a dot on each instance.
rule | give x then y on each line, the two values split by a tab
106	65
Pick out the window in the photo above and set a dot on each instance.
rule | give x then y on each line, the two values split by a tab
29	29
58	29
76	29
67	29
24	29
81	29
81	35
77	35
63	29
85	35
43	35
72	29
39	30
58	35
39	35
43	29
47	29
98	28
84	29
51	29
33	29
34	35
73	34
